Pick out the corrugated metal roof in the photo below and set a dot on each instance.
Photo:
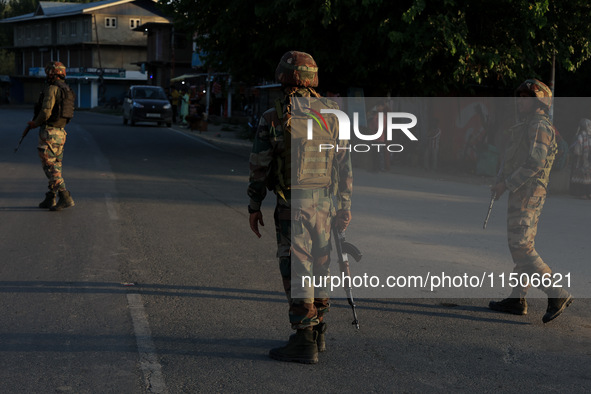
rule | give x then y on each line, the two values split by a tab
52	9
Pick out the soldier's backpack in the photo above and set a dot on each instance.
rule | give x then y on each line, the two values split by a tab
305	165
66	107
63	110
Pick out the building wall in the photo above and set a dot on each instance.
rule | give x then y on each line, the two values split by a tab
119	57
127	16
73	30
73	41
33	33
159	49
114	25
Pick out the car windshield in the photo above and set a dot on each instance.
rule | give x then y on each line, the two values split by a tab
149	93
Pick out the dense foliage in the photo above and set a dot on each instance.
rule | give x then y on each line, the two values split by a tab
406	47
401	47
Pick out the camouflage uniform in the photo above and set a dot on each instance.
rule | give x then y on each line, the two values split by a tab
52	139
526	172
303	217
309	195
52	135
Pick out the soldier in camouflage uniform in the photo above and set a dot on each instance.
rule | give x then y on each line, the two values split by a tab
526	171
52	137
303	214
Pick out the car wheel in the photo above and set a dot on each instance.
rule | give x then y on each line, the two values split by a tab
169	125
132	122
124	120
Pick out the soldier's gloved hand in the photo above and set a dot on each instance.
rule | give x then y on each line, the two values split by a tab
254	219
31	124
498	189
343	219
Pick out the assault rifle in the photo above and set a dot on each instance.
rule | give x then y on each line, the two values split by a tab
22	138
343	250
490	206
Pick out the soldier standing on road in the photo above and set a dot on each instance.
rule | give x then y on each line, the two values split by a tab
305	206
53	111
526	171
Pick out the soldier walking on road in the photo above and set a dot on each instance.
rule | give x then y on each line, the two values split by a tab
526	172
53	111
306	203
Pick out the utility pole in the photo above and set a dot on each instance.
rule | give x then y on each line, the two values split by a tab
552	79
100	73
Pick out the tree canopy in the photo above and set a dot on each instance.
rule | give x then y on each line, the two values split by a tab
406	47
412	47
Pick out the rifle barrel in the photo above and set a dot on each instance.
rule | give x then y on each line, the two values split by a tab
490	207
344	266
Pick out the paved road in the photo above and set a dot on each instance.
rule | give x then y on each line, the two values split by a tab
154	283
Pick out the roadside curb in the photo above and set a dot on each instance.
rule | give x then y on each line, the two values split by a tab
226	140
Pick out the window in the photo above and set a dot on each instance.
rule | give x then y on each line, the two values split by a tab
111	22
133	23
73	28
64	28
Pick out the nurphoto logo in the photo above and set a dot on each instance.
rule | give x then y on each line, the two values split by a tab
392	125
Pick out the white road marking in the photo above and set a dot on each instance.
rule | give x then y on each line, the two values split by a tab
111	207
149	364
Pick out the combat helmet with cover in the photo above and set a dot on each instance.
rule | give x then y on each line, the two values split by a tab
538	89
55	70
297	69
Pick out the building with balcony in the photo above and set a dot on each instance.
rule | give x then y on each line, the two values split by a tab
98	42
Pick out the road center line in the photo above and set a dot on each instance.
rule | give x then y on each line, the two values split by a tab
111	207
149	364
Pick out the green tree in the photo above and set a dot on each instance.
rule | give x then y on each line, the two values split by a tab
492	42
409	47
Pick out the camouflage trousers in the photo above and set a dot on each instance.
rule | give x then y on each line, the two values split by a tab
523	213
51	152
303	248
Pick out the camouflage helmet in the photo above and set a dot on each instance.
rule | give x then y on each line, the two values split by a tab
297	69
55	69
536	88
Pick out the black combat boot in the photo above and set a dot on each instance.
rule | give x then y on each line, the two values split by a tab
65	201
320	341
320	328
514	304
49	201
301	348
558	300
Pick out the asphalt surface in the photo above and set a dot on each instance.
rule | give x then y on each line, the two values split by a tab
153	282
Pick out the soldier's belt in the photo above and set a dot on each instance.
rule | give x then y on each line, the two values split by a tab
306	193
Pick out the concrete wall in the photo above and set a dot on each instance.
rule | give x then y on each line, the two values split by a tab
119	57
123	33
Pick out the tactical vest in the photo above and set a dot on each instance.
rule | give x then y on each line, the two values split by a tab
519	149
313	167
63	109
